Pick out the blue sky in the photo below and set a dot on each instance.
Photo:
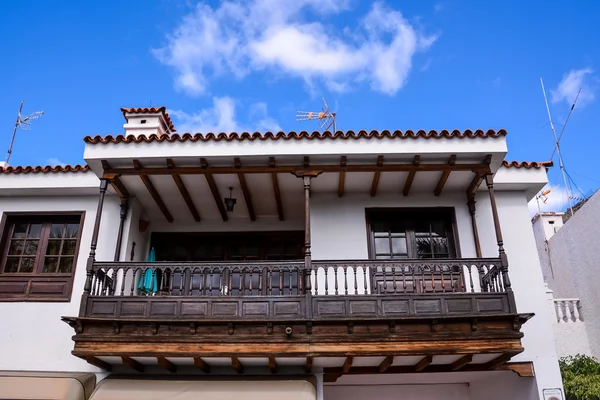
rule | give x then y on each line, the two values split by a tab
251	65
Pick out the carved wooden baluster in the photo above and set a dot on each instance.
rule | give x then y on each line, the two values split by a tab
192	274
181	279
423	288
364	268
469	267
576	315
443	275
211	277
481	282
123	281
326	280
291	288
354	270
394	286
403	279
270	281
260	280
335	274
414	280
345	279
250	287
385	284
133	281
280	281
203	278
432	269
316	275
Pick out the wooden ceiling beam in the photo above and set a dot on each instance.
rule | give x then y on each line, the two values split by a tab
152	190
133	364
116	183
411	175
258	169
347	364
386	363
308	365
276	190
496	362
237	365
202	365
376	176
214	190
478	177
444	177
424	363
184	192
166	364
343	163
245	190
96	362
273	365
461	362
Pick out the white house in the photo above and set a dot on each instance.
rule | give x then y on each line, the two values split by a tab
350	265
568	259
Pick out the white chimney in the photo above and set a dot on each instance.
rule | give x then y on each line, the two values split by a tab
147	121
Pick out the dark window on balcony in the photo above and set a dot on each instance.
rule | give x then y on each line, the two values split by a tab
39	254
411	233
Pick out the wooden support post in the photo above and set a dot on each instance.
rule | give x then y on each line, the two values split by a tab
166	364
237	365
444	177
503	259
133	364
471	204
386	363
153	192
215	191
245	190
94	243
424	363
98	363
184	192
308	365
272	365
376	177
276	190
496	362
461	362
347	364
411	175
202	365
123	217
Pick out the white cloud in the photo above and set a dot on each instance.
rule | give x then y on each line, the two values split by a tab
568	88
240	37
556	201
438	7
221	117
55	162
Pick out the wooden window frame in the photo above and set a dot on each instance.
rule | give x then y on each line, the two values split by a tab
453	245
29	279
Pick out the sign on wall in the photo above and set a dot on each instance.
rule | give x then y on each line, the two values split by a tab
553	394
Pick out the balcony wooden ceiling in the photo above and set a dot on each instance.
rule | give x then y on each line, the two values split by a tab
187	189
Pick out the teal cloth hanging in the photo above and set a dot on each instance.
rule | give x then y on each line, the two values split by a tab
149	283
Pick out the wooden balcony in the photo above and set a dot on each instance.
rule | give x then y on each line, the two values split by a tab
265	310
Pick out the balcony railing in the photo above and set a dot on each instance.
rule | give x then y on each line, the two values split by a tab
287	289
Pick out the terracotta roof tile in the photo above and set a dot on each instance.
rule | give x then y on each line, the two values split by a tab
47	169
527	165
151	110
293	135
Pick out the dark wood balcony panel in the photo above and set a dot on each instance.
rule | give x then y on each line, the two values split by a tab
205	308
408	305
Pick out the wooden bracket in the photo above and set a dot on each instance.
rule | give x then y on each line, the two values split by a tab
230	328
154	328
350	328
434	325
192	328
392	326
117	328
309	328
269	328
474	325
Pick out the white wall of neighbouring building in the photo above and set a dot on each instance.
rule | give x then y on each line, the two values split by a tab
457	391
33	337
339	231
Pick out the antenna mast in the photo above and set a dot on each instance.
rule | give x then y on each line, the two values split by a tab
557	144
325	118
23	123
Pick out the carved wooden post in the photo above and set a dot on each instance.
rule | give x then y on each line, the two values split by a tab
307	244
123	215
503	259
471	204
92	257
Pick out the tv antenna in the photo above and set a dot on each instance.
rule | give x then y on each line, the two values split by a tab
544	196
325	118
23	123
557	144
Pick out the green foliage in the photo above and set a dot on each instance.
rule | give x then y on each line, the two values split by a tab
581	377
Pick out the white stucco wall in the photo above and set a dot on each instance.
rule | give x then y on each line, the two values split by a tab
339	232
458	391
574	259
32	336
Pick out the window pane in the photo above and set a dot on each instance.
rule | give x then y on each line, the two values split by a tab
399	245
20	231
440	245
72	231
66	265
50	264
68	247
31	247
382	245
56	231
53	248
27	264
379	226
34	231
423	244
16	247
12	264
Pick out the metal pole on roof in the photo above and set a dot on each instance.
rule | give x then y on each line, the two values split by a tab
557	144
23	123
